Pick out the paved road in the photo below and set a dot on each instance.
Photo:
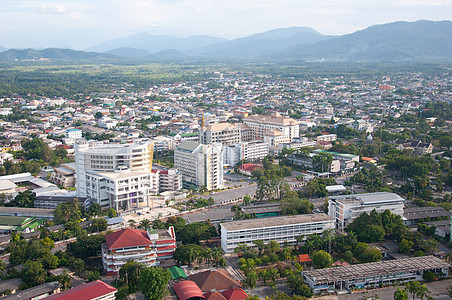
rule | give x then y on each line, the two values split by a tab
230	195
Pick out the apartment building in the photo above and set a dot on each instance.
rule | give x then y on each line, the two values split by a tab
344	209
244	151
73	134
116	175
260	125
169	180
280	229
224	133
64	175
149	247
327	137
200	165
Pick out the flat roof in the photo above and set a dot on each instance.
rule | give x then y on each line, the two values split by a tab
25	209
262	208
275	221
335	188
370	198
414	213
403	265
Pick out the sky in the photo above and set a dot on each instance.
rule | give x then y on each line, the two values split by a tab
83	23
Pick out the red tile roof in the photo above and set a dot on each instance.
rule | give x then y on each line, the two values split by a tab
214	295
187	289
214	280
127	238
235	293
304	258
87	291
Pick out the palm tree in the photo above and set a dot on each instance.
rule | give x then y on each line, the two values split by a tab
145	224
207	255
423	291
217	254
400	295
251	281
413	287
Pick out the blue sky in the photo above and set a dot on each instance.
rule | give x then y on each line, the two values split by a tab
82	23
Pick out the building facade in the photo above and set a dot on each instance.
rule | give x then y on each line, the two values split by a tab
115	175
200	165
279	229
224	133
344	209
244	151
149	247
169	180
260	125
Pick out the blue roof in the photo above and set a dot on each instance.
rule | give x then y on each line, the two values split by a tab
74	129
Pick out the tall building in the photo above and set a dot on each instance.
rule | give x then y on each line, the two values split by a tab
200	165
116	175
260	125
344	209
148	247
224	133
169	180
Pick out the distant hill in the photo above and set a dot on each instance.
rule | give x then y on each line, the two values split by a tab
262	43
156	43
3	49
166	55
53	54
128	52
396	41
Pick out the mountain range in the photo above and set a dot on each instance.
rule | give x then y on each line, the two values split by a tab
399	41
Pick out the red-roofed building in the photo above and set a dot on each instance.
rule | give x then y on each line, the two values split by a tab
235	293
187	290
219	280
248	168
97	290
214	295
304	258
148	247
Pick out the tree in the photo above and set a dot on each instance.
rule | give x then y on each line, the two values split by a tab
321	259
194	232
251	280
428	276
23	199
99	224
153	282
98	115
33	273
186	254
67	211
130	274
405	246
400	295
112	213
422	291
145	224
94	209
260	245
413	287
295	282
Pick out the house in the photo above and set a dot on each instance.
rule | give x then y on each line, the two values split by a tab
37	292
188	289
248	168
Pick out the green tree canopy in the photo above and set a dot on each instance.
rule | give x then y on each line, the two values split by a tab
153	282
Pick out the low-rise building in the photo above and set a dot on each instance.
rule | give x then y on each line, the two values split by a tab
64	175
169	180
373	274
344	209
412	215
73	134
148	247
95	290
244	151
282	229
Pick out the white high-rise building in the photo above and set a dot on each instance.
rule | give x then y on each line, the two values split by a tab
224	133
200	165
116	175
244	150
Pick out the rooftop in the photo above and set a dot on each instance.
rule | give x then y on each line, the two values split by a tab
276	221
189	146
381	268
370	198
92	290
414	213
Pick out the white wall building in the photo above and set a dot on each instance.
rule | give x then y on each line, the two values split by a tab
224	133
107	122
169	180
280	229
327	137
260	125
115	175
73	134
200	165
344	209
244	150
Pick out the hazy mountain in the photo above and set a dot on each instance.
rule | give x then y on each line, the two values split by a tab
128	52
3	49
155	43
54	54
389	42
166	55
262	43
